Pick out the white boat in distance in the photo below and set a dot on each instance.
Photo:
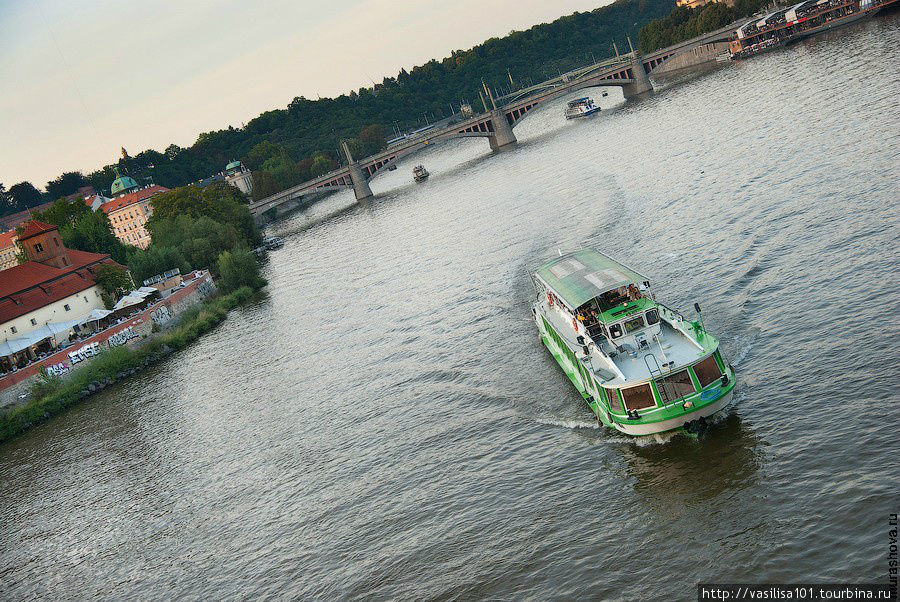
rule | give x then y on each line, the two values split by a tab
581	107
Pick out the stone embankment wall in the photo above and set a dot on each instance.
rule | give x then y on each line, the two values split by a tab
133	331
705	53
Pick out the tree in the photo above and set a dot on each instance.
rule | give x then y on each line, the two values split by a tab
372	140
93	232
23	196
264	184
62	213
321	165
239	268
155	259
219	202
113	281
66	184
198	240
263	152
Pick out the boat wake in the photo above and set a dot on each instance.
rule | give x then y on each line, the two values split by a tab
744	345
569	424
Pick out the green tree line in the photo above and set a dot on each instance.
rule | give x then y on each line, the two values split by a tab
191	228
302	140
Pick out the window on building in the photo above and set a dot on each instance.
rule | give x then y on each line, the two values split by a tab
38	248
66	307
86	299
56	240
13	329
675	386
707	371
33	322
639	397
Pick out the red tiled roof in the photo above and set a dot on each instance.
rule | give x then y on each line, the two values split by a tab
34	227
32	285
7	239
132	198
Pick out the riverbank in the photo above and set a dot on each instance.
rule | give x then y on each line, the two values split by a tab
52	394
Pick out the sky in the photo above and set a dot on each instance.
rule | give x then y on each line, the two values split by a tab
79	80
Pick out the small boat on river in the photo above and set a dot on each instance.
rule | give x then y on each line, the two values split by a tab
420	173
273	242
642	367
581	107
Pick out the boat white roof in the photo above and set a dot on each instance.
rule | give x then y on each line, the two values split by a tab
578	277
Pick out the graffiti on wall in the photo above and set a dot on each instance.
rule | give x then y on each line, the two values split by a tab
59	369
122	337
161	315
88	351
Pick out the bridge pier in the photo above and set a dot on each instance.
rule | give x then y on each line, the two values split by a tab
503	134
641	83
361	187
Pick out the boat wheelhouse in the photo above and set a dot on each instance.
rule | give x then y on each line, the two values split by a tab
642	367
581	107
420	173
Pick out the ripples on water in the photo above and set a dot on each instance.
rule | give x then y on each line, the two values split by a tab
383	423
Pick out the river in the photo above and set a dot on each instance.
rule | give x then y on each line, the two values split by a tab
383	422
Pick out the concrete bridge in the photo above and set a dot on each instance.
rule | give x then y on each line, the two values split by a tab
629	71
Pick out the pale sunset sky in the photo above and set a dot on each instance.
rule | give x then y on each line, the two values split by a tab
78	80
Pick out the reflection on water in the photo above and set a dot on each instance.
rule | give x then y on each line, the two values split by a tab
383	422
689	471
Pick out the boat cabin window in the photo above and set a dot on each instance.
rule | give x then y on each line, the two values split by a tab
635	323
613	396
707	371
639	397
615	331
675	386
652	317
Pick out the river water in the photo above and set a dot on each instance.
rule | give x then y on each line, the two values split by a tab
383	422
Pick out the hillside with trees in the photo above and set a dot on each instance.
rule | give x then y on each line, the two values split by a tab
299	141
685	23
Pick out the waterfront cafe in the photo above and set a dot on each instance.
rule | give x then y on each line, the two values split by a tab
18	352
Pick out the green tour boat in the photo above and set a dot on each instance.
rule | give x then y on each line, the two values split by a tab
642	367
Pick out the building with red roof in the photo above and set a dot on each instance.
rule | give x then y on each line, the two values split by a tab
128	213
8	249
43	299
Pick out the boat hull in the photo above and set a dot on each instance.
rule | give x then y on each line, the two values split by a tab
638	430
579	115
